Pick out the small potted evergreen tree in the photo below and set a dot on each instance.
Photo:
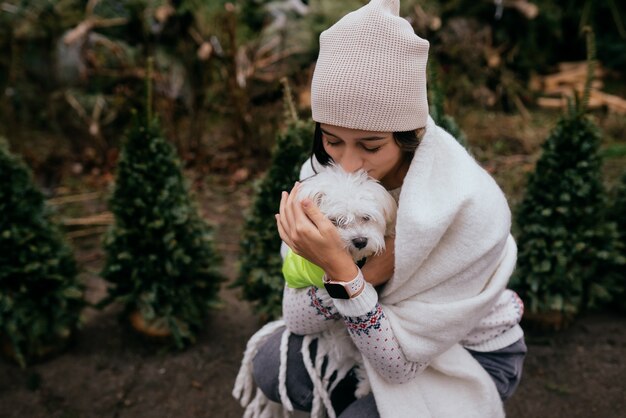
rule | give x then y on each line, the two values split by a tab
41	297
260	265
161	261
564	239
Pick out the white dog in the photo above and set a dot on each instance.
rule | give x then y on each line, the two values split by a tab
359	206
364	214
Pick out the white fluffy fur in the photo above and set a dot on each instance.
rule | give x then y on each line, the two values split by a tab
361	208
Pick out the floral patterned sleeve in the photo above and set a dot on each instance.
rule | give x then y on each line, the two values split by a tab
372	334
308	310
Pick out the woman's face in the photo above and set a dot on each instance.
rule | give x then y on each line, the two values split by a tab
376	152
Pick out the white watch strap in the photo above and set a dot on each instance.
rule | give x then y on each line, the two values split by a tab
354	286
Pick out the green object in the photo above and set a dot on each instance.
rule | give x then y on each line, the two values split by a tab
300	272
617	214
618	207
41	298
436	96
160	256
260	264
569	247
566	245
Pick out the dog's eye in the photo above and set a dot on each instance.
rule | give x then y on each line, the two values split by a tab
365	218
339	222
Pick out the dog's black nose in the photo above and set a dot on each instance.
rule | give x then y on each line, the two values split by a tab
360	242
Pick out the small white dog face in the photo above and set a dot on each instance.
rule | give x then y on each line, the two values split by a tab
359	206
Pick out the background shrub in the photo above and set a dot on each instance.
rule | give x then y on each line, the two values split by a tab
41	297
160	256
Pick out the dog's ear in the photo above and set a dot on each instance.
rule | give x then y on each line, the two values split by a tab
318	198
390	209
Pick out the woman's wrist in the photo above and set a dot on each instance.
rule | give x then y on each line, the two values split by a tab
343	270
345	290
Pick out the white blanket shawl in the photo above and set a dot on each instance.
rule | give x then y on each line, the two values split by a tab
453	257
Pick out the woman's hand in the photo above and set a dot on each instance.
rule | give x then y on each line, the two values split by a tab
379	268
309	234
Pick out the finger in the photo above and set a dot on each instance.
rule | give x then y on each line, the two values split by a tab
290	207
284	225
299	215
283	201
281	231
283	212
310	209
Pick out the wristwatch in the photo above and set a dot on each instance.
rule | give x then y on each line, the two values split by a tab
345	290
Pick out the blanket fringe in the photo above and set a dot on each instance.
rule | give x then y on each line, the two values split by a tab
244	383
261	407
282	371
341	359
321	396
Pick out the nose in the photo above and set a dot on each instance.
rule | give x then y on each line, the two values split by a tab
350	162
359	242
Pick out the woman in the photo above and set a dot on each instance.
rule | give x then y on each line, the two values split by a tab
423	317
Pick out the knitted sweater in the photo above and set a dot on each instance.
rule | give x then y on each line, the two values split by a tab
453	258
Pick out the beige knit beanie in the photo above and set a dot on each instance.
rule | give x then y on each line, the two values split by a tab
371	72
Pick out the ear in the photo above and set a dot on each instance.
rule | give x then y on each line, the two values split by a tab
318	198
390	210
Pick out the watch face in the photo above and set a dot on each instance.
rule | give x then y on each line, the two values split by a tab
336	291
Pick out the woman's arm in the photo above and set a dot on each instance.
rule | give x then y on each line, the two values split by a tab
311	310
372	334
308	310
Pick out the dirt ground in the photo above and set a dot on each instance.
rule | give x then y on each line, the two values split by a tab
111	372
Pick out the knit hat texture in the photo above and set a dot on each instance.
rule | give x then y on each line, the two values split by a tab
371	72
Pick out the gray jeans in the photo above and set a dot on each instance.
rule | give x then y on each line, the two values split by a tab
504	366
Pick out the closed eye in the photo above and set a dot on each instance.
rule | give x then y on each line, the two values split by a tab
339	222
372	150
366	218
331	143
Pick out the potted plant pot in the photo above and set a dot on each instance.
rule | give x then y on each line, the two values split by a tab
154	328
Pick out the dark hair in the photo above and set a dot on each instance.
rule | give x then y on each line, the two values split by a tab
408	141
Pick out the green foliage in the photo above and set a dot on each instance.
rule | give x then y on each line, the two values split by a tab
160	256
260	276
618	207
40	296
38	66
617	214
436	101
565	243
